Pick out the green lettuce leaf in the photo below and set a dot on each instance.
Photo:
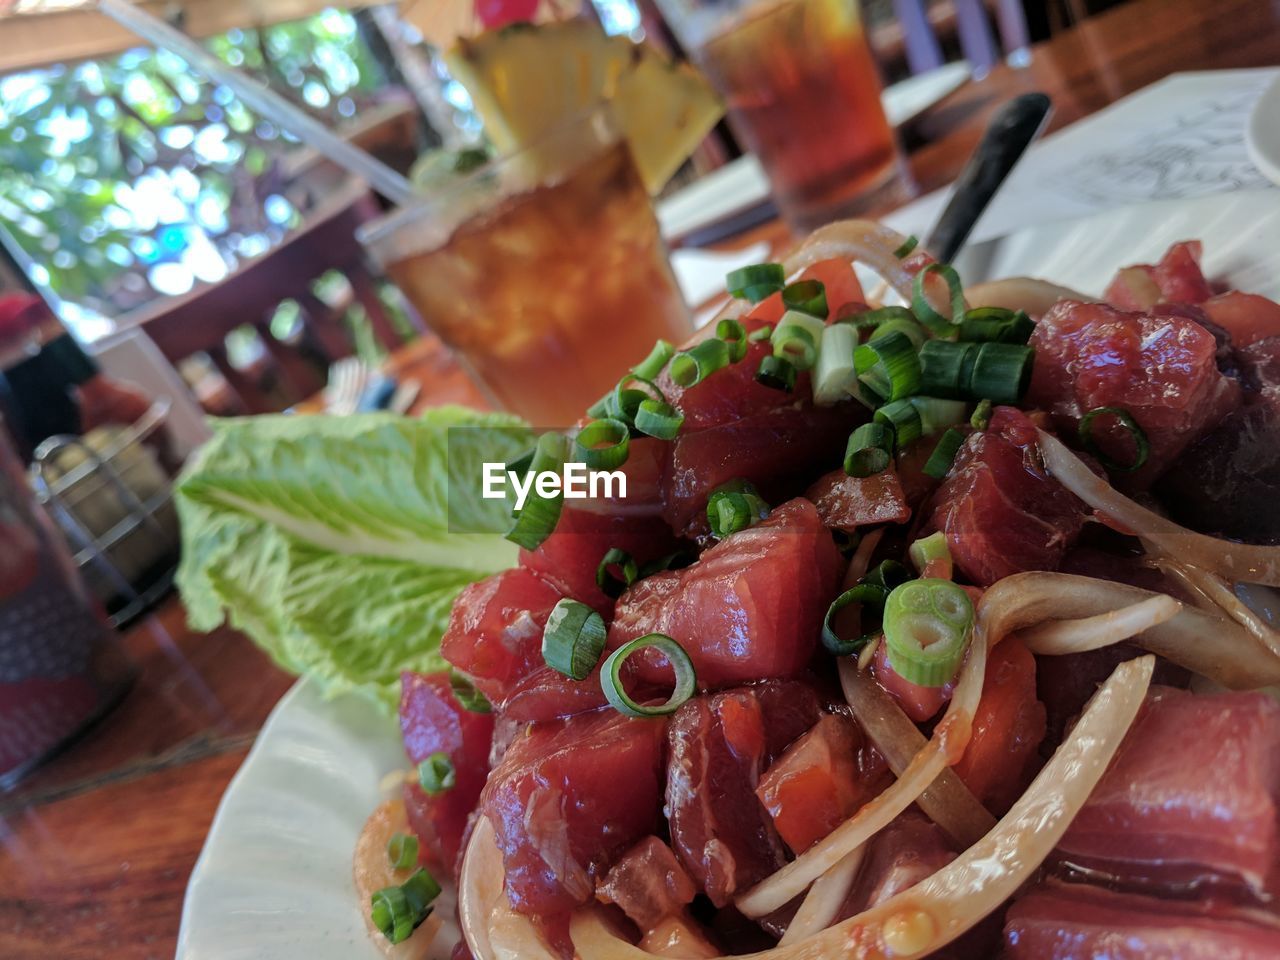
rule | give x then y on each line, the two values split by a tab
338	544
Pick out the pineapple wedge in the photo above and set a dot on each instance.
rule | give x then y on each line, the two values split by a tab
525	80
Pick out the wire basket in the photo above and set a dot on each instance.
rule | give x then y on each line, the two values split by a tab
111	494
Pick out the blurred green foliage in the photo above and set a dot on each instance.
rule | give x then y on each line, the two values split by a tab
114	171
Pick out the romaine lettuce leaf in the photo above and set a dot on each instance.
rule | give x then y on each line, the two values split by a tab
328	539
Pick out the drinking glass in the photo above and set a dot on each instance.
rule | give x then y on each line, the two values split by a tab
60	664
544	270
803	94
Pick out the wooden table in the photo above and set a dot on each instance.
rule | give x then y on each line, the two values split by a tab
99	843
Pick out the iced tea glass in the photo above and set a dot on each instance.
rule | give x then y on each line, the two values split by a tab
544	270
803	94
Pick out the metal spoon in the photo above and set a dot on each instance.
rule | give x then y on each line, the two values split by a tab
1015	127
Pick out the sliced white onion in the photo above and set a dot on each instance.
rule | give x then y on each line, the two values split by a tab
493	930
1093	633
947	801
1235	562
1020	293
945	904
1212	646
866	242
950	737
1223	598
821	905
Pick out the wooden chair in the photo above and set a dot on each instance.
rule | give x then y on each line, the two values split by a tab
294	368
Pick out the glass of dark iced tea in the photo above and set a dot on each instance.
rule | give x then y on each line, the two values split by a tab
803	94
543	270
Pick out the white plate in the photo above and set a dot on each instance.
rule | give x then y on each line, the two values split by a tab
274	879
1263	133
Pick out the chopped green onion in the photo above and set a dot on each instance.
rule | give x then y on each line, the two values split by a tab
945	368
398	911
761	333
610	585
807	296
651	366
1125	419
936	413
944	453
539	516
659	419
908	245
734	506
611	676
624	403
520	465
777	373
436	774
981	415
1001	372
926	630
912	330
402	851
757	281
391	914
468	697
996	324
874	318
835	372
923	309
889	366
603	444
735	335
796	338
887	574
867	594
573	638
421	890
690	367
869	451
902	416
933	550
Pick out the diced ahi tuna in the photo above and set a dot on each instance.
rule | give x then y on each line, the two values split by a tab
750	608
1247	317
495	637
1001	513
568	798
1260	366
918	702
780	451
568	559
719	747
846	503
648	884
820	781
1073	921
999	761
1227	483
1161	370
1190	796
1177	278
432	721
909	849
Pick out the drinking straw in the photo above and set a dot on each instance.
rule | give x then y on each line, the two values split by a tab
266	102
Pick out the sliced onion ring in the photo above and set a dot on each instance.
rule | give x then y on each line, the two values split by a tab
947	801
1235	562
822	903
1102	630
944	905
1212	646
